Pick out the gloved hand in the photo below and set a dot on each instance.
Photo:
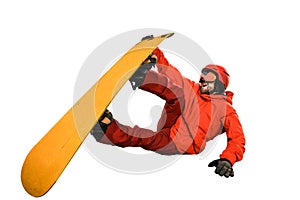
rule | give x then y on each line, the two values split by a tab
223	167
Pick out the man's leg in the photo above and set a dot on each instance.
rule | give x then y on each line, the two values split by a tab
160	85
125	136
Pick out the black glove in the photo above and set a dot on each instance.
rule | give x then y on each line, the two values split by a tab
223	167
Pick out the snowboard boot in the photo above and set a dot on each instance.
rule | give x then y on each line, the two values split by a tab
100	128
138	77
148	37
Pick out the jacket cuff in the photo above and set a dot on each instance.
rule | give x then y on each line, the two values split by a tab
230	157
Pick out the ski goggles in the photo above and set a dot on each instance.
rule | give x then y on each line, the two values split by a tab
207	77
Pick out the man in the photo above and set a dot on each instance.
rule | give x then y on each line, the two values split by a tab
193	114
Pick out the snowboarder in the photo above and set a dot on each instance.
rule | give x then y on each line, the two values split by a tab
193	114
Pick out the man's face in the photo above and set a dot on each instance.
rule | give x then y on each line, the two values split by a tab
207	82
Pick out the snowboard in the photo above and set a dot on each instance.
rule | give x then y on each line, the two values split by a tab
49	157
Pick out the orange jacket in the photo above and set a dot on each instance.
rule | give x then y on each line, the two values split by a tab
203	117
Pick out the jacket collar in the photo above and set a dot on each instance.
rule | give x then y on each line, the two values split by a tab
215	97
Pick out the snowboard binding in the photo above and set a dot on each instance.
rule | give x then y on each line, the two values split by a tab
138	77
101	126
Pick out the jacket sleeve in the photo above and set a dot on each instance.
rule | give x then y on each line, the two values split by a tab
169	70
235	138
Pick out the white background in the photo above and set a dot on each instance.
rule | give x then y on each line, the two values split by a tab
42	48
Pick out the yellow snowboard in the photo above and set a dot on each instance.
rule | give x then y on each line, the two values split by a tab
50	156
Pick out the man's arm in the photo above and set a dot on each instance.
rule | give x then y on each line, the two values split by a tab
235	145
235	138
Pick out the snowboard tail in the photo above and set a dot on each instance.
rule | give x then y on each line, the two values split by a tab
49	157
